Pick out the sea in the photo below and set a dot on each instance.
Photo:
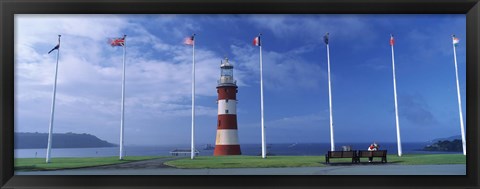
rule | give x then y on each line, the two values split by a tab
285	149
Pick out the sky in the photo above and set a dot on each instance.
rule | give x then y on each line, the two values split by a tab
159	66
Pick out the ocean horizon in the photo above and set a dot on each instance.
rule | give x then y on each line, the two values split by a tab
280	149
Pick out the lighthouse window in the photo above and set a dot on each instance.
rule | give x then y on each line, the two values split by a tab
226	100
226	111
227	72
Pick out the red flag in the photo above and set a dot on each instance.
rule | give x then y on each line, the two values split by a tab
189	40
392	41
256	41
117	41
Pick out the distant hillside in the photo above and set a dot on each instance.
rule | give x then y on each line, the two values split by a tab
445	145
459	137
60	140
450	144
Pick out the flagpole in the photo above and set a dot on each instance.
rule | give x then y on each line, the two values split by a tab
332	141
192	153
261	100
459	99
50	128
399	144
122	121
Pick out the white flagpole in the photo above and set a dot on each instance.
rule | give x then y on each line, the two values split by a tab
332	141
459	99
264	153
399	144
122	121
192	155
50	128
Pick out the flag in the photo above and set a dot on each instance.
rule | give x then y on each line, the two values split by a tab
325	39
117	41
189	40
256	41
456	41
392	41
54	48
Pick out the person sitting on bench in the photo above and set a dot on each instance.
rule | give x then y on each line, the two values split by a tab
372	147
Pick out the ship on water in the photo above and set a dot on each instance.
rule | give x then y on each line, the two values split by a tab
208	147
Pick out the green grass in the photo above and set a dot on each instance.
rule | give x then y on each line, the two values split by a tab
428	159
306	161
38	164
247	161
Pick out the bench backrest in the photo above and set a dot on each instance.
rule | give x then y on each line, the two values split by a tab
340	154
349	154
379	153
335	154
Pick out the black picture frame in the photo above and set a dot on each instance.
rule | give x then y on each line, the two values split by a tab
471	8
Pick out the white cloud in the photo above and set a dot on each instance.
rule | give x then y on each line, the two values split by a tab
281	71
90	72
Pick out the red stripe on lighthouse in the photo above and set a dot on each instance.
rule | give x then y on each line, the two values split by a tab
222	150
227	92
227	122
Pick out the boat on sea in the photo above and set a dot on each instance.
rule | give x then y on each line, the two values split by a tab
208	147
292	145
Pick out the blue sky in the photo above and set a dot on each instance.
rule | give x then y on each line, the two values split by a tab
158	76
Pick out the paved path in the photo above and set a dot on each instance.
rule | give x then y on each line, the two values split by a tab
146	164
156	167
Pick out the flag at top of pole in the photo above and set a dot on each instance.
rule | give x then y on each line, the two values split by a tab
455	42
257	42
392	41
54	48
117	41
189	40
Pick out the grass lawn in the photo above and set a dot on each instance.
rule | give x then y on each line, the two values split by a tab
306	161
428	159
38	164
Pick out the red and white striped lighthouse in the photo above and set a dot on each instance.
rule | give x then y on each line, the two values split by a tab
227	132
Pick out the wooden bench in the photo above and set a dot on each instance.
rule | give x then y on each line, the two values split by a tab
341	154
366	154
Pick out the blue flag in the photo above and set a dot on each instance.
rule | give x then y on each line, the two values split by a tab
325	39
54	48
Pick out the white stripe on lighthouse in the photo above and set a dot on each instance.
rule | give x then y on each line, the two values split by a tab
227	106
227	137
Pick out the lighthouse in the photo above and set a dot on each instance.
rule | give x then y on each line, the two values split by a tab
227	131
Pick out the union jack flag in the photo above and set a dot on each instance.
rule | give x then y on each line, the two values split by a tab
117	41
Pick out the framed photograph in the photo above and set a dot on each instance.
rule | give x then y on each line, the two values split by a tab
235	94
